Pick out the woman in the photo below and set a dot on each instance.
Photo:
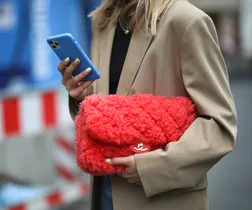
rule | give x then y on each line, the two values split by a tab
169	48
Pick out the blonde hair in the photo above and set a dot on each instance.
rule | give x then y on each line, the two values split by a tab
131	12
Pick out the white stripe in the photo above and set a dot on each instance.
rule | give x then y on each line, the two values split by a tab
30	114
38	205
72	193
67	133
40	30
1	122
63	115
69	192
65	159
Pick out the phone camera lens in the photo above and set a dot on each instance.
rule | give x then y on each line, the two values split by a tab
51	42
56	43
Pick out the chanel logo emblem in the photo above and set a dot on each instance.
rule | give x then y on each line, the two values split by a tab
140	147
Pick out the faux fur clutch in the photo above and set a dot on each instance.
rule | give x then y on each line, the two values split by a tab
119	126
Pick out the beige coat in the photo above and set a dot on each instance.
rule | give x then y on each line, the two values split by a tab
183	59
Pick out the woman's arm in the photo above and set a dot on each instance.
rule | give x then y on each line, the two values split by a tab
183	164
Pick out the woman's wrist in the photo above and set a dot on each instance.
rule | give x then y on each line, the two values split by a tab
76	100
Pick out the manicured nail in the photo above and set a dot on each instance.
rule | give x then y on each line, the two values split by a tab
67	59
88	69
107	160
77	60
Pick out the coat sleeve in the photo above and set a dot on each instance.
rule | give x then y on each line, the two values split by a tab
213	134
74	105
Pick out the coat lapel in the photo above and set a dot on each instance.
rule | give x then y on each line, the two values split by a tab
106	38
139	44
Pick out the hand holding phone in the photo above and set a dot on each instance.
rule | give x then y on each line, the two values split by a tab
65	45
78	72
74	84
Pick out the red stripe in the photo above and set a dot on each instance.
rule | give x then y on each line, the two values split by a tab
18	207
66	174
66	145
84	187
54	199
49	109
11	118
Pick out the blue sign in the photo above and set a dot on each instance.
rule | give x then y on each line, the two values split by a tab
14	36
50	18
27	60
55	17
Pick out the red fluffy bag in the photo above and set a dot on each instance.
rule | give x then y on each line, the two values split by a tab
118	126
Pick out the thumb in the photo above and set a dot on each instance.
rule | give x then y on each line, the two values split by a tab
124	161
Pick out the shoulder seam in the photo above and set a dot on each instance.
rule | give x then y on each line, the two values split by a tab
192	21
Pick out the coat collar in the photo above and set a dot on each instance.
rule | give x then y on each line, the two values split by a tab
139	44
105	40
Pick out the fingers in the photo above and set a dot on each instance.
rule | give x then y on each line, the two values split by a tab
76	92
74	84
62	65
66	71
130	170
73	66
76	81
69	70
124	161
78	78
84	86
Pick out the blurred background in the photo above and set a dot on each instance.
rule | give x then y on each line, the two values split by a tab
37	156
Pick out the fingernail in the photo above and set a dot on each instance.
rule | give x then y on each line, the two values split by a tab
77	60
107	160
88	69
67	59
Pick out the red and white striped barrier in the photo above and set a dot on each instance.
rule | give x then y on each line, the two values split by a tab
65	157
33	113
56	198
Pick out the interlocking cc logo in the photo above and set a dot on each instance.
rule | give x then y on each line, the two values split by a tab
140	148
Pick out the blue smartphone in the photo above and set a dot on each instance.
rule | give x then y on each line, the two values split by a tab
64	45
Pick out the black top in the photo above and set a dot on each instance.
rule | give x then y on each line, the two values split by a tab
118	55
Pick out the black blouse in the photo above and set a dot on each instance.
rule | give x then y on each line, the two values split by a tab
119	51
